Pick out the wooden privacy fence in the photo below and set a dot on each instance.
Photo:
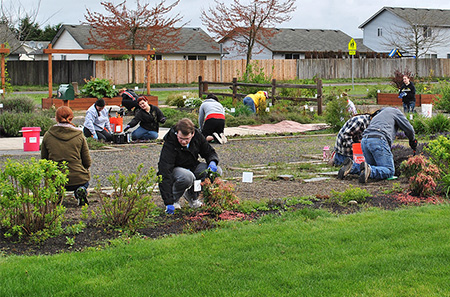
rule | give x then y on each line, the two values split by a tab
204	85
187	71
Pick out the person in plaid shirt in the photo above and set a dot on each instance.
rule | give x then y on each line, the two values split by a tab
350	133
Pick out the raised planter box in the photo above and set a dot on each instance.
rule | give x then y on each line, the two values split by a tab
393	100
85	103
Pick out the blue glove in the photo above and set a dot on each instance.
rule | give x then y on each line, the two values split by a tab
401	95
170	209
95	136
212	166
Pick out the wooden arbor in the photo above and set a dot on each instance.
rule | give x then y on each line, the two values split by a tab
51	51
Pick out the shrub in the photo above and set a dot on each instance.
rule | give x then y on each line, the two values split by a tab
422	175
98	88
443	88
178	99
219	195
336	113
439	151
255	75
30	197
12	123
294	92
438	123
131	200
357	194
18	104
419	124
397	79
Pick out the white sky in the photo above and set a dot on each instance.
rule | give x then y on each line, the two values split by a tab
344	15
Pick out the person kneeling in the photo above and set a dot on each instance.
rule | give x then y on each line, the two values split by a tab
179	164
149	117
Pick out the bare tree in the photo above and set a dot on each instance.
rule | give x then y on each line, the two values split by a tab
246	24
124	28
418	35
12	12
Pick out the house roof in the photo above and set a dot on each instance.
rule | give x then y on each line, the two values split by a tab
440	17
192	40
7	36
308	40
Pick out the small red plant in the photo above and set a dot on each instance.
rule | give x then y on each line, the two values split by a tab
407	199
422	175
219	195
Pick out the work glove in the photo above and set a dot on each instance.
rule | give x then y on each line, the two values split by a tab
212	166
170	209
401	95
413	144
126	128
95	136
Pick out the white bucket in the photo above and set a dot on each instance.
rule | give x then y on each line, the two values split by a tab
427	110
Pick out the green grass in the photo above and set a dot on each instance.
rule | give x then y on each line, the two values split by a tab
303	253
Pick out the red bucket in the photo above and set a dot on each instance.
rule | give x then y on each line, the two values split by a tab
31	138
116	124
358	156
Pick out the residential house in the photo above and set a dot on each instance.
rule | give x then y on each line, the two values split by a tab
291	43
389	26
194	44
34	50
8	38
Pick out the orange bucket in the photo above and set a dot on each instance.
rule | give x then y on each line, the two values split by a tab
116	124
358	156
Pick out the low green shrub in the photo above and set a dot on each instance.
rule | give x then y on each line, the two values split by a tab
443	88
12	123
336	113
357	194
98	88
30	197
439	152
438	123
18	104
178	99
131	201
419	124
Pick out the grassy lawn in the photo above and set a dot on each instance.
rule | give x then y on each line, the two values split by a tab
302	253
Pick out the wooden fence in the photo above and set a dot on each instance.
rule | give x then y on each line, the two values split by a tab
204	85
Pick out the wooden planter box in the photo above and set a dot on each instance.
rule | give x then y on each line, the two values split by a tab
393	100
85	103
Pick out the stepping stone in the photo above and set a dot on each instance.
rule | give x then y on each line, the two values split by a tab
315	179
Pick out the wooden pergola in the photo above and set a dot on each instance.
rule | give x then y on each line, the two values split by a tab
148	52
3	52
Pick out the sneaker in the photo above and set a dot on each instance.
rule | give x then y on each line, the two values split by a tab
364	173
195	203
345	169
218	138
177	205
81	194
224	138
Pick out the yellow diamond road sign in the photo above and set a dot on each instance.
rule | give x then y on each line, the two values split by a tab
352	45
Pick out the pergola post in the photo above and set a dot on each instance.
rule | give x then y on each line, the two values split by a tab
3	51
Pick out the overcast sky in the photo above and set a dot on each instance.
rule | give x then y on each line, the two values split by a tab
344	15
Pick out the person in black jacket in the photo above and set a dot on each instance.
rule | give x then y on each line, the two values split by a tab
179	166
408	94
149	117
129	99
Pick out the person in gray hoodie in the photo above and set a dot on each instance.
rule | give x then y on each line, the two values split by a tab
65	142
211	119
377	141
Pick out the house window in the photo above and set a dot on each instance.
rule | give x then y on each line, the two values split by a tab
426	32
431	56
63	57
196	57
448	56
157	57
380	32
292	56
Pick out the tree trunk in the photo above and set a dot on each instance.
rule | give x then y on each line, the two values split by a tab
133	69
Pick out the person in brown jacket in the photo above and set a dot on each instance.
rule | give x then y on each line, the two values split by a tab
65	142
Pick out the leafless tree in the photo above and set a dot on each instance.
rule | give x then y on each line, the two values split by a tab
124	28
420	33
246	24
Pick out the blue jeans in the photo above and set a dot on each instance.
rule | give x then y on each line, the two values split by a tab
250	103
339	160
409	107
184	181
141	133
378	155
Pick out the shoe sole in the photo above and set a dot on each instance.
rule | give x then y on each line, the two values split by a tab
345	169
218	138
224	138
365	173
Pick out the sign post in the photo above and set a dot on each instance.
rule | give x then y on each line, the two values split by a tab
352	52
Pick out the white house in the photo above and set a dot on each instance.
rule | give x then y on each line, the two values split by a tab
389	25
292	43
194	44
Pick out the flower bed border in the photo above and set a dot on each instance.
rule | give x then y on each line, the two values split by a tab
85	103
393	100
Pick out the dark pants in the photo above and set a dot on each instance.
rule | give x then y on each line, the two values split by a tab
102	135
74	188
129	104
213	125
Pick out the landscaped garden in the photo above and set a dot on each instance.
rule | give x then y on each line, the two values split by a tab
290	232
